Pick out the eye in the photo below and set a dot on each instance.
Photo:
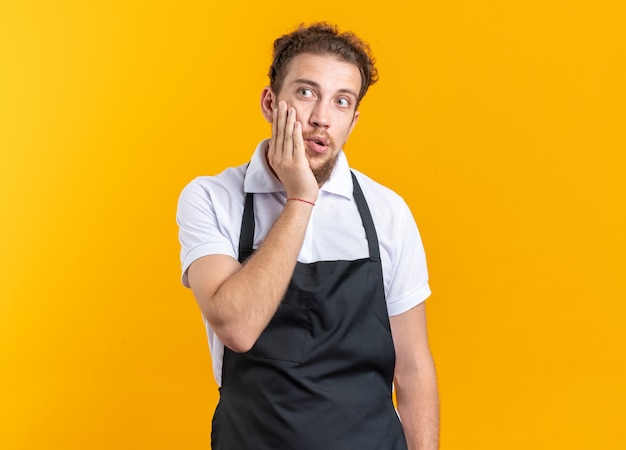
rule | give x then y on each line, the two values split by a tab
305	92
343	102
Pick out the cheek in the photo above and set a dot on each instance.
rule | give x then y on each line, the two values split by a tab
344	128
303	109
301	113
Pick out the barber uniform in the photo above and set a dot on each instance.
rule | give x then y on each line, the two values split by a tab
320	375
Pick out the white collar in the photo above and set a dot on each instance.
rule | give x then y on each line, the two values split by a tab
260	179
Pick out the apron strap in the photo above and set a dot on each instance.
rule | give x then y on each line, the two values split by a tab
366	218
246	239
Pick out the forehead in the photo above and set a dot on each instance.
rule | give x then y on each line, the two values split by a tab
329	72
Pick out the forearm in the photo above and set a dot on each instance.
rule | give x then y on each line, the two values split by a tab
418	406
243	305
239	301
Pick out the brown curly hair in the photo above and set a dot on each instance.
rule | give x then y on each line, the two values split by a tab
323	39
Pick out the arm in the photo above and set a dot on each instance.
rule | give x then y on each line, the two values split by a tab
415	380
239	300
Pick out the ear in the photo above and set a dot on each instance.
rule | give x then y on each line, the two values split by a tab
354	121
268	100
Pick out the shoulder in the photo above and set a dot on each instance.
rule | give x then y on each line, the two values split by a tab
209	216
391	215
228	179
378	196
225	186
402	254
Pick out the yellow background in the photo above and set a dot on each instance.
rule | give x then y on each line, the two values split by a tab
501	123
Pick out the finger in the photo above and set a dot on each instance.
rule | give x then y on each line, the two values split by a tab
289	126
274	130
298	141
280	128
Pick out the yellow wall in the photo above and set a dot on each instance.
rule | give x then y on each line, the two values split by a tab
501	123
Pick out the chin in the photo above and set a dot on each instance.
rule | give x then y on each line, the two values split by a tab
323	168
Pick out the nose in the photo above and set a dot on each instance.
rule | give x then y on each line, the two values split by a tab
320	115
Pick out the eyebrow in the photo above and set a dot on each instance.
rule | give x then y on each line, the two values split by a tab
317	86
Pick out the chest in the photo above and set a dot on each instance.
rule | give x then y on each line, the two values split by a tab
334	232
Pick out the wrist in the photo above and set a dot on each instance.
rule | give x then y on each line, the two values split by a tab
302	200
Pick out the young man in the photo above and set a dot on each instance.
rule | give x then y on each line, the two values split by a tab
311	277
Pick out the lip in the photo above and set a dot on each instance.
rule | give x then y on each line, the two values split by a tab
317	144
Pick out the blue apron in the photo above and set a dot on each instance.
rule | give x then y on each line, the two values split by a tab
320	375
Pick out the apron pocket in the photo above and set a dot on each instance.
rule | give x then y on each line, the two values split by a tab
284	338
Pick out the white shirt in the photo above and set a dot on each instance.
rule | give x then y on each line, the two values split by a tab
210	210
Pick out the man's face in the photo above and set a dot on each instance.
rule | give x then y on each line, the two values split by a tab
324	91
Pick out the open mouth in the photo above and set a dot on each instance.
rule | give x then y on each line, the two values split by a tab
317	143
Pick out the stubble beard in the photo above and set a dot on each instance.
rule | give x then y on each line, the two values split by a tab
323	172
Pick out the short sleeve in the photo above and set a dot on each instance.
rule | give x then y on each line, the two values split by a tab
407	275
201	233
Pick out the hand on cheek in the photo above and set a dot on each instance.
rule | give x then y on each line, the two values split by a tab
287	157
